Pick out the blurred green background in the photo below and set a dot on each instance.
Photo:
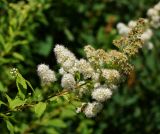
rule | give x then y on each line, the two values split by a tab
30	29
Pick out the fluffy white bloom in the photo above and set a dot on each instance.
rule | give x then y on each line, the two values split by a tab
101	94
120	25
146	20
155	21
111	75
132	24
64	56
68	64
157	6
152	12
68	81
150	45
155	24
85	68
63	53
46	75
147	35
92	109
154	15
123	29
73	69
95	77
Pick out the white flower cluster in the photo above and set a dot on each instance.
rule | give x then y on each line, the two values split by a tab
94	79
70	65
154	15
46	75
65	58
153	21
111	75
100	92
125	29
14	72
146	36
92	109
68	81
85	68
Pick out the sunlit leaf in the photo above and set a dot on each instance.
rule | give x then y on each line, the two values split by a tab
40	108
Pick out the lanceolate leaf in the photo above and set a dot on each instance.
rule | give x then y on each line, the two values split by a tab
1	102
10	127
21	85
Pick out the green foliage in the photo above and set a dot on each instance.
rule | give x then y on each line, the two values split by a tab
40	108
10	127
28	31
14	103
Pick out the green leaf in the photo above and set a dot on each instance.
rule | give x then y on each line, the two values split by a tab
21	85
10	127
37	95
11	31
2	41
77	76
22	81
52	131
69	34
40	108
55	98
29	84
1	102
18	56
15	103
20	42
2	88
60	99
4	60
68	113
57	123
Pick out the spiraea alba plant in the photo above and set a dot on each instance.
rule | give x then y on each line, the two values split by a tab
153	20
93	80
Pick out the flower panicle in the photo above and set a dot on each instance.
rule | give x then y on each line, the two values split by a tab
130	44
94	79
